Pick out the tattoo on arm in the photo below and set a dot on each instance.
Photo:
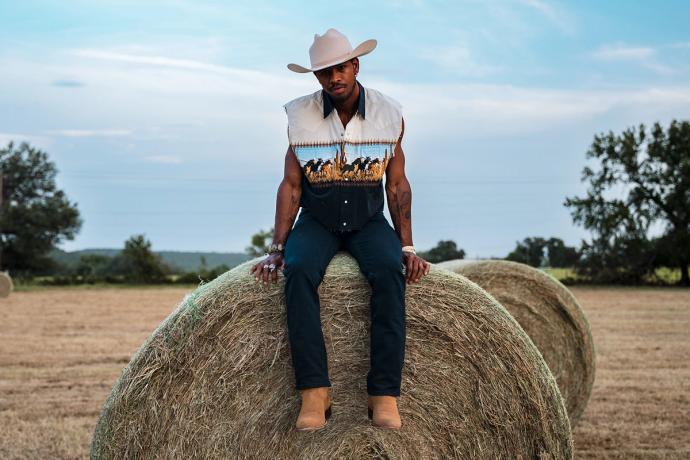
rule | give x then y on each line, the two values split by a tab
393	208
287	207
400	206
294	209
405	204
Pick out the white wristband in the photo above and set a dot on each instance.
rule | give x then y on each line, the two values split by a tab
409	249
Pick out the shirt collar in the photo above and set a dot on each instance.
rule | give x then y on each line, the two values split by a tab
328	103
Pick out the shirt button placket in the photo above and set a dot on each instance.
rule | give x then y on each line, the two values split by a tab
345	212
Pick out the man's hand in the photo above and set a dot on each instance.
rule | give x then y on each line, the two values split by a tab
262	271
415	267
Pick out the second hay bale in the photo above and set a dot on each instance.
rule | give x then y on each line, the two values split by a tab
550	315
6	285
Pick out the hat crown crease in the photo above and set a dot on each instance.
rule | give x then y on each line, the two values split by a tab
329	47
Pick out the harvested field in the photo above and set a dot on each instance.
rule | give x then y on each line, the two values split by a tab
640	403
61	351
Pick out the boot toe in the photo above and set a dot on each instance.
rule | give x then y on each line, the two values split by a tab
315	410
390	421
310	424
383	412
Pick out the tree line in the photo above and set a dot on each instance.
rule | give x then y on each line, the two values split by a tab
136	263
638	183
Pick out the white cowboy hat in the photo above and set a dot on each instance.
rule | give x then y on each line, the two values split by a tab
330	49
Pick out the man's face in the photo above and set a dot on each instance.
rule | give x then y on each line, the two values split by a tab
339	80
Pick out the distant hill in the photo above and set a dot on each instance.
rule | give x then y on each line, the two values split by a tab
185	261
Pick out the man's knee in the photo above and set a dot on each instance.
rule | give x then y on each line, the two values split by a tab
301	266
385	269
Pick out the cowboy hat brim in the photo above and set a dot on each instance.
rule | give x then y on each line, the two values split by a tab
363	48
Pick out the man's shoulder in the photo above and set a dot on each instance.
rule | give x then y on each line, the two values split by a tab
379	98
381	108
314	99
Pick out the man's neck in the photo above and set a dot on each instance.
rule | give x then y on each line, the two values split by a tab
348	107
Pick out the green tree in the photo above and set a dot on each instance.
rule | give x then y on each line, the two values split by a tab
530	251
560	255
620	260
35	215
141	264
92	266
642	180
260	243
444	250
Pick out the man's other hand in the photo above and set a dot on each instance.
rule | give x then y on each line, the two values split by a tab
262	271
415	267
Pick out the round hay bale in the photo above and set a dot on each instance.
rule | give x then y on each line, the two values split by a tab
215	379
455	264
6	285
550	315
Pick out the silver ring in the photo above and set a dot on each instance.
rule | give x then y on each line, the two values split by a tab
272	267
265	266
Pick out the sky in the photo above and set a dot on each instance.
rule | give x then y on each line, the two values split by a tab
165	117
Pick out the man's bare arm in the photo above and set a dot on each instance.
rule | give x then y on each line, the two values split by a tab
287	201
399	194
287	206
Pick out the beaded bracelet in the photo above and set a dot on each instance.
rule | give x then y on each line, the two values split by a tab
276	248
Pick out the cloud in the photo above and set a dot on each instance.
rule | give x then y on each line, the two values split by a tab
68	83
645	56
405	4
457	59
160	61
164	159
164	74
18	138
556	15
193	112
90	132
492	111
624	53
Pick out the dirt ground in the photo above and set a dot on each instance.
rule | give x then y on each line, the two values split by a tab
62	349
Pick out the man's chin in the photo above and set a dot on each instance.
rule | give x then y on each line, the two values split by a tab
340	96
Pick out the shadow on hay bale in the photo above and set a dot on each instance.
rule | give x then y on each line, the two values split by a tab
215	379
550	315
6	285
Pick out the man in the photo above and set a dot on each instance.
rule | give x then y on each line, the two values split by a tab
342	141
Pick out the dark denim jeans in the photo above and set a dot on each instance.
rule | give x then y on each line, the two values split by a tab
376	247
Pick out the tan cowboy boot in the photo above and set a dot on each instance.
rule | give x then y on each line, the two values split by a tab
315	410
383	412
